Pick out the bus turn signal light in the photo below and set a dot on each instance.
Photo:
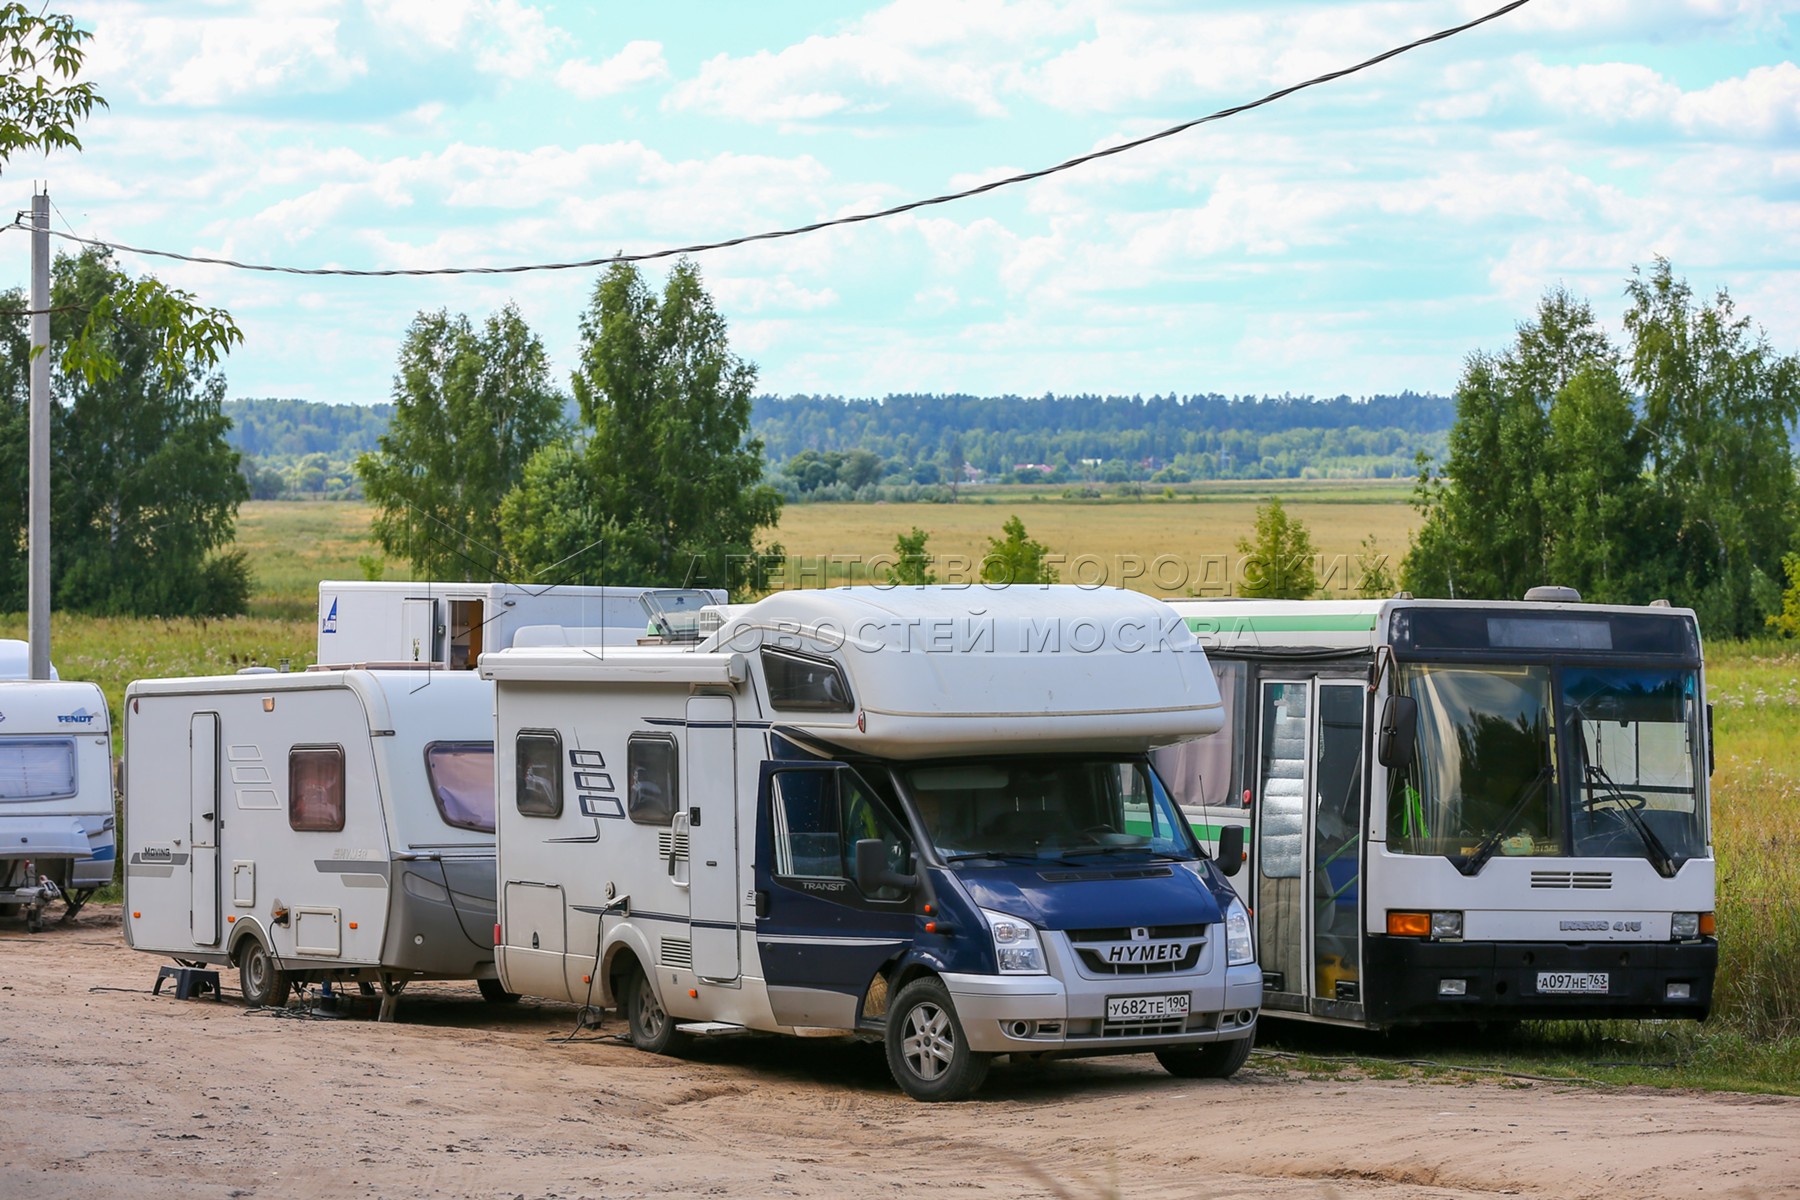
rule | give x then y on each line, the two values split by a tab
1409	924
1708	927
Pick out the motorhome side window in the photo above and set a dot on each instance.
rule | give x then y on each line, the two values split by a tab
37	770
316	788
539	778
654	791
797	681
462	783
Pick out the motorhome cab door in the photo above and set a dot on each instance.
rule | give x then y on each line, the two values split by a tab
1309	847
203	826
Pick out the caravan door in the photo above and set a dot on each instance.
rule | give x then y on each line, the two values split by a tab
712	831
203	826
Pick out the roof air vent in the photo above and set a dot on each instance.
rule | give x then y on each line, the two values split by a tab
1552	594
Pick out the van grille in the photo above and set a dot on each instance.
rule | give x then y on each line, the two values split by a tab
1091	946
1588	880
676	952
1119	1029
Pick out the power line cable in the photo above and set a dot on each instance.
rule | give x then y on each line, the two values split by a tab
795	231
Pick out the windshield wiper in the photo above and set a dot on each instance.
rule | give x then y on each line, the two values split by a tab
1659	855
1472	862
1151	850
1001	856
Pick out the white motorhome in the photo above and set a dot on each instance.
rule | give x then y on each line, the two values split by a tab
923	815
1463	810
451	624
56	792
326	825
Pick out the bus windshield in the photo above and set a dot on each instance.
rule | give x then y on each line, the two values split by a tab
1635	740
983	813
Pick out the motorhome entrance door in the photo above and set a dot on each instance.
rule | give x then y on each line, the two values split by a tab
203	826
712	804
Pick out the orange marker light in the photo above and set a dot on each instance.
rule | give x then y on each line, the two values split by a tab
136	915
931	927
231	920
693	993
587	979
353	924
1409	924
1707	925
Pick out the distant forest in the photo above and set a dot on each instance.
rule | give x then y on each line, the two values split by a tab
825	447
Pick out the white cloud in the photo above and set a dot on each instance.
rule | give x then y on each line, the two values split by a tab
638	63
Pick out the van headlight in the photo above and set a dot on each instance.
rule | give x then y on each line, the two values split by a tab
1016	944
1239	948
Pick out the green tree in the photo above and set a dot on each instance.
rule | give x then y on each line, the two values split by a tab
1787	621
146	487
471	408
667	488
912	566
1016	558
1374	577
1279	561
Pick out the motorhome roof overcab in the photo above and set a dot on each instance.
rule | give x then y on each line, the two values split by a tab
56	814
329	825
921	814
1464	810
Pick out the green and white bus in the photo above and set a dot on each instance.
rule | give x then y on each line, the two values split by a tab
1463	810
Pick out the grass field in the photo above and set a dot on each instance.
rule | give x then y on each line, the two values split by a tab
1753	1039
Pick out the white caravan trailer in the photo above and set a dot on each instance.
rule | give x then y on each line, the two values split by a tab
1463	810
56	791
921	814
333	825
451	624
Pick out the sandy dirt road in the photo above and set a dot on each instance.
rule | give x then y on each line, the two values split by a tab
108	1091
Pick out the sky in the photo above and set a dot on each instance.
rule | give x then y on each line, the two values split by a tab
1361	237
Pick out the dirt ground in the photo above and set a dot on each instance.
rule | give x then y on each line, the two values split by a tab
109	1091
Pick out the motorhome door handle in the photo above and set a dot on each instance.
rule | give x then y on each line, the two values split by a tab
694	816
206	816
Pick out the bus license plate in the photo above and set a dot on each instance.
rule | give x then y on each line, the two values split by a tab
1147	1008
1566	982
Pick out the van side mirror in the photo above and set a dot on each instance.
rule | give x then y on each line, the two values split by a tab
873	872
1231	849
1399	730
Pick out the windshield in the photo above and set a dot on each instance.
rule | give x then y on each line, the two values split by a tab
1483	771
1055	810
1636	744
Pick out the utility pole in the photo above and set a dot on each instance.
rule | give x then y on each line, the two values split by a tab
38	619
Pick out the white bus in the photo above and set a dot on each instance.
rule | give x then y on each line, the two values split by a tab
1463	810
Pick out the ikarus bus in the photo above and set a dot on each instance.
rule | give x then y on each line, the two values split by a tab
1463	810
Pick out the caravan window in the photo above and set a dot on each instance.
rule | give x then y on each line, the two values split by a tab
655	785
316	788
539	781
462	783
810	684
37	770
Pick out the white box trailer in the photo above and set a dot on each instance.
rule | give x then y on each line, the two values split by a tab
923	815
56	793
327	825
451	624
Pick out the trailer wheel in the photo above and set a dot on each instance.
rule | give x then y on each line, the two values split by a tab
1215	1060
263	984
927	1052
652	1028
494	993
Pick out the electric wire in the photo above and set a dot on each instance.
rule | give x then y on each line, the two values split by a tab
815	226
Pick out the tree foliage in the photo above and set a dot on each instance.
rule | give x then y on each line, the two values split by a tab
912	562
1281	562
471	408
1665	471
1014	557
667	488
146	487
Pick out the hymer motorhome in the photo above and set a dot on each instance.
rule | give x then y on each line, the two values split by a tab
923	815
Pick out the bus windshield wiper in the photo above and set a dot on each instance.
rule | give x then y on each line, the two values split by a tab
1472	862
1659	855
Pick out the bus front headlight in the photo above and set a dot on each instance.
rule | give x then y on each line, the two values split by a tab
1239	948
1016	944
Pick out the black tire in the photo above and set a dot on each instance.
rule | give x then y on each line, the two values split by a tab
494	993
263	983
927	1051
652	1028
1215	1060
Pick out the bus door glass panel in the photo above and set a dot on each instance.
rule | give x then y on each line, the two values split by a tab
1281	834
1637	761
203	826
816	930
1483	774
1337	841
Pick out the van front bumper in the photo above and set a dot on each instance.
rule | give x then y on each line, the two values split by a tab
1036	1014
